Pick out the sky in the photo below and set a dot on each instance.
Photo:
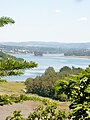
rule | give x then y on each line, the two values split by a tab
66	21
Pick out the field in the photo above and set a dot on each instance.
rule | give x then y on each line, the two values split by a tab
11	87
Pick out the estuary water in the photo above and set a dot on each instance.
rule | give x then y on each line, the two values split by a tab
44	62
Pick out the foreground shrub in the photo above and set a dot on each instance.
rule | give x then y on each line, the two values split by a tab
4	100
16	116
2	80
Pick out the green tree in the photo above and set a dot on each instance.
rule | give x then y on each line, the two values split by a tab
6	20
80	97
65	69
10	65
16	116
42	85
78	92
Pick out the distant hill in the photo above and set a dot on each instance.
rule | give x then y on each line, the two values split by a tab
68	49
50	44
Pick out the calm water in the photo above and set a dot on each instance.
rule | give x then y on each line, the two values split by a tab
46	61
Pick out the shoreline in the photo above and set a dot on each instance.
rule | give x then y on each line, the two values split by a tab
77	57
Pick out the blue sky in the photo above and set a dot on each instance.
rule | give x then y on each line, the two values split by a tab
46	20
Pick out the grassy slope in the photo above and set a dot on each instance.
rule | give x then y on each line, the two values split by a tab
17	87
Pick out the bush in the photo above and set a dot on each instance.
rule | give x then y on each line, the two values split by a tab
2	80
4	100
16	116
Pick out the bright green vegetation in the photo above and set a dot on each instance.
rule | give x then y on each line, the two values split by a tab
14	98
45	85
3	80
6	20
77	90
11	66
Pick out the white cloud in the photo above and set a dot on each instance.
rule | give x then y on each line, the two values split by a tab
58	11
79	0
83	19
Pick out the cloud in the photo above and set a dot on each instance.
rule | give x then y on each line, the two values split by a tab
83	19
58	11
79	0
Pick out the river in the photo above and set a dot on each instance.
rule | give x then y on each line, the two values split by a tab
44	62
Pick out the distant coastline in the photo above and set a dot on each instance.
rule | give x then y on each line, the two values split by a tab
77	57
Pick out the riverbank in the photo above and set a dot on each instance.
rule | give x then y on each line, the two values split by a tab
77	57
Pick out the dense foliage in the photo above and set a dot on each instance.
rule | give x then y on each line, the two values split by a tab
77	90
45	85
80	97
